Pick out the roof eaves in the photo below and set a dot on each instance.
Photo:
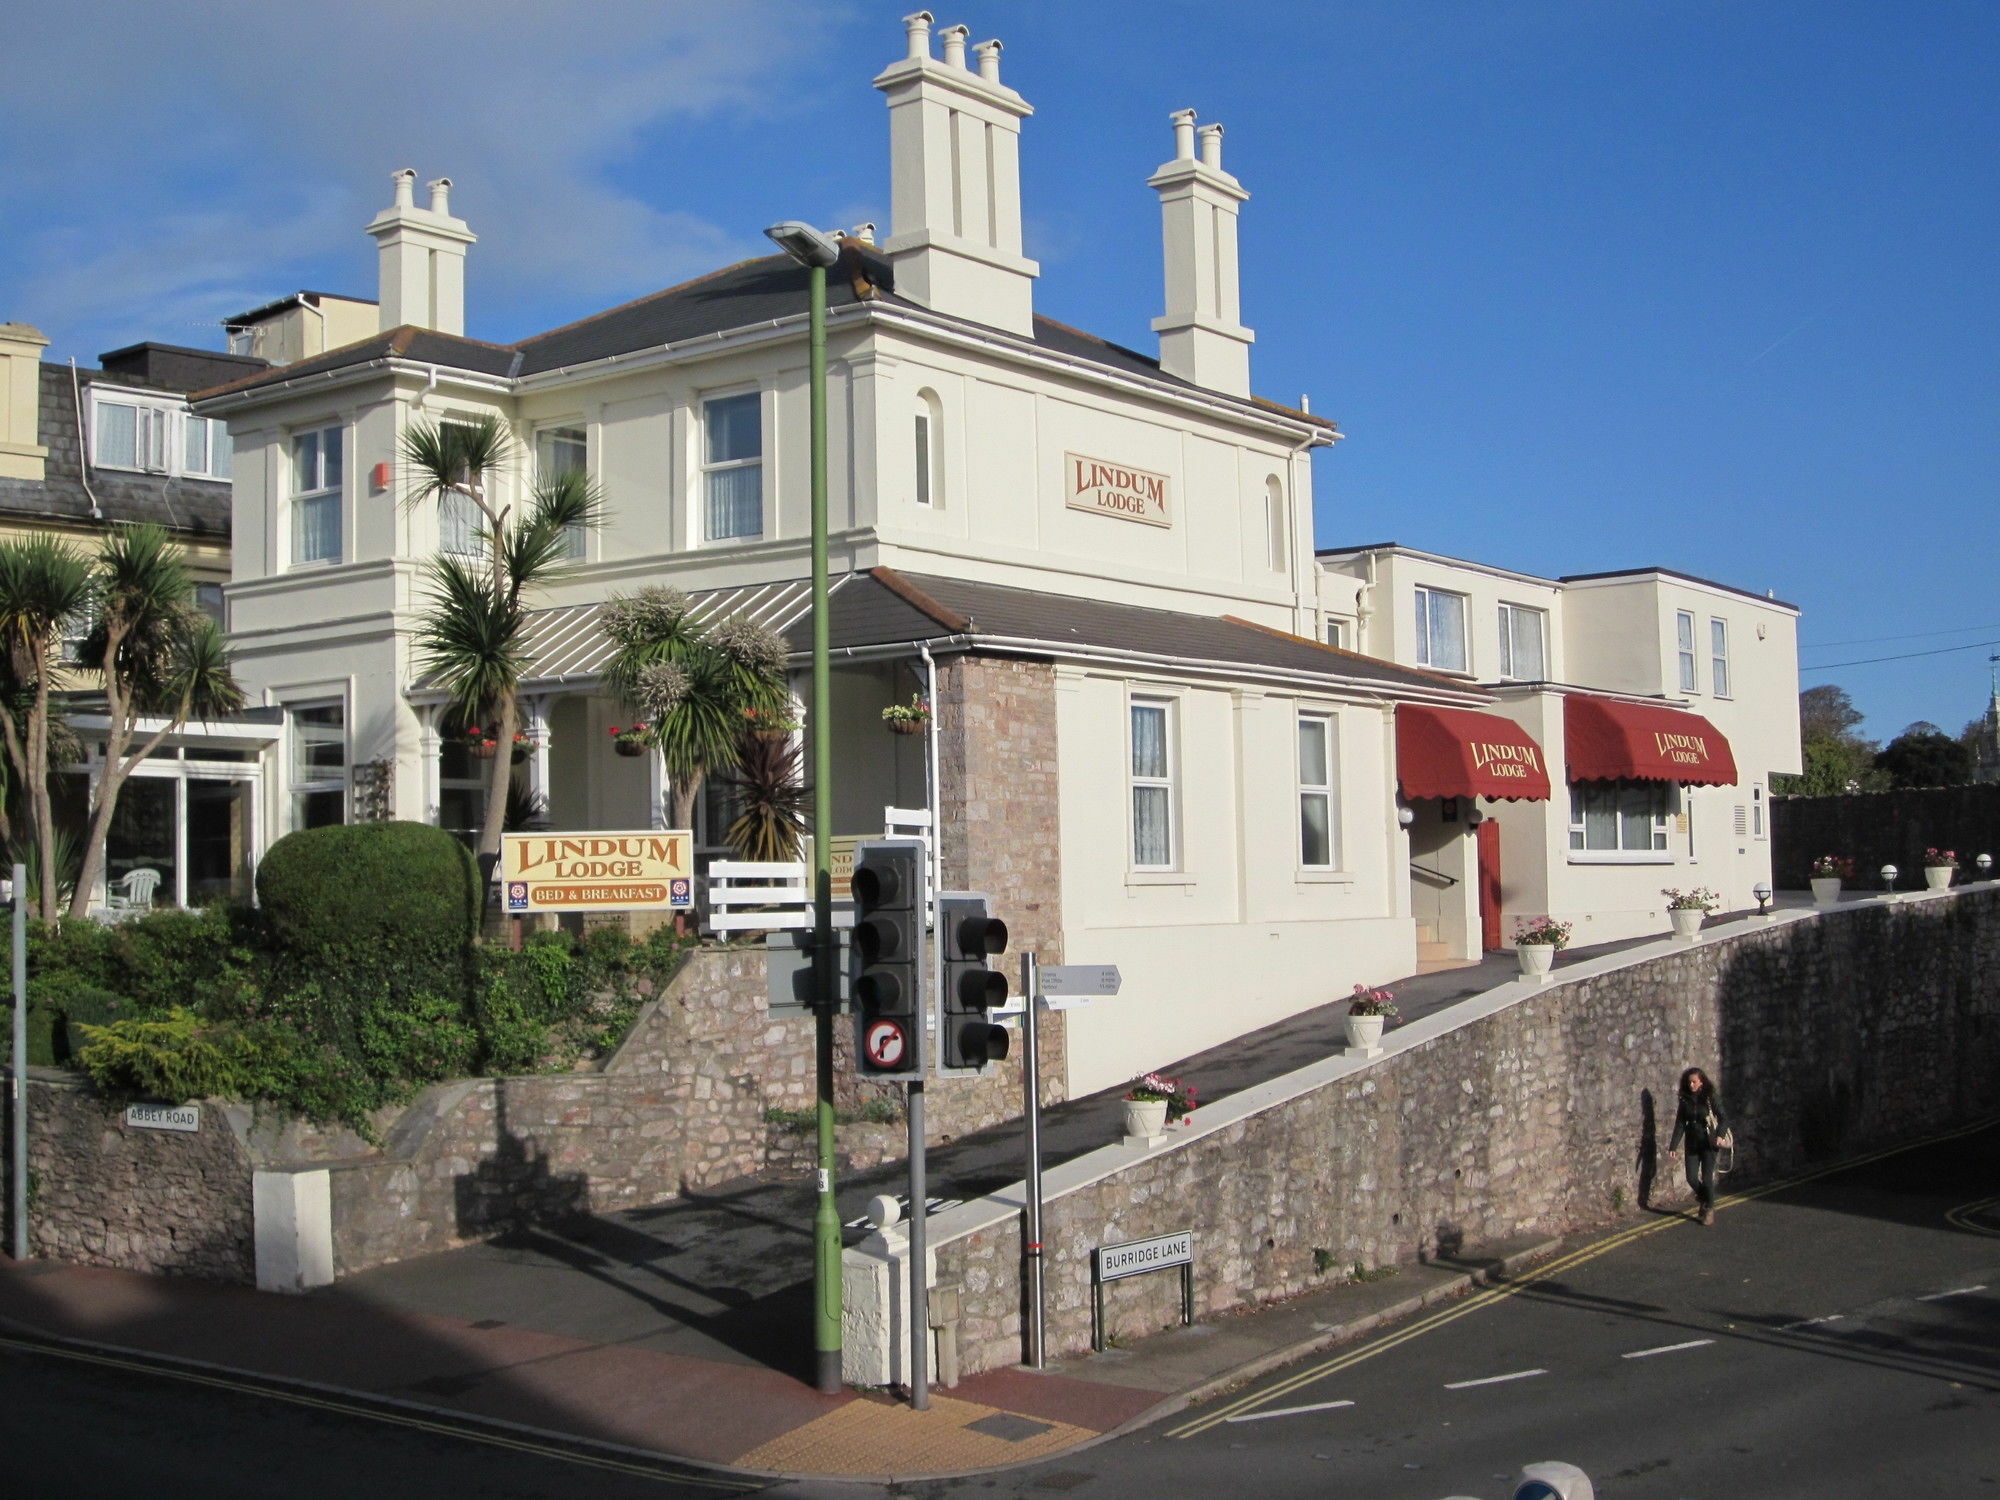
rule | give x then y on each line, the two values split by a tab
910	594
1374	661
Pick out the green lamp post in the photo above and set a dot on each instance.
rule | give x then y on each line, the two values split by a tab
816	251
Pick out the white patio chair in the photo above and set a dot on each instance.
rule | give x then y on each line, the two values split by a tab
133	893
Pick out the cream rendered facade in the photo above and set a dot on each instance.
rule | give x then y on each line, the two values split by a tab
1620	636
1234	927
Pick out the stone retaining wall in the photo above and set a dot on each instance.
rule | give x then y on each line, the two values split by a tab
1830	1036
104	1194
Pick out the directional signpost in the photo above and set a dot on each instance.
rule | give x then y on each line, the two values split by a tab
1058	987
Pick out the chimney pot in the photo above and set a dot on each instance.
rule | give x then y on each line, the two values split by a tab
863	232
918	28
441	195
954	45
989	60
1183	134
406	187
1211	146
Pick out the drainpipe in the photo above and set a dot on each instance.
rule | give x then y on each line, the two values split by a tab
82	442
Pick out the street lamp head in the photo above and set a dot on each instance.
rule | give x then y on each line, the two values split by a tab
1985	863
804	244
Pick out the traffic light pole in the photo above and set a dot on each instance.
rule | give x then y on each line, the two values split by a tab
920	1292
826	1217
1031	1077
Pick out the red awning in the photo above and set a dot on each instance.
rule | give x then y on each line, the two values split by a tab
1612	741
1455	752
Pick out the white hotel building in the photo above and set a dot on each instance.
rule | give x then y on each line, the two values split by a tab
1097	562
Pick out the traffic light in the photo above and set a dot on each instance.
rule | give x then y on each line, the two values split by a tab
888	946
970	935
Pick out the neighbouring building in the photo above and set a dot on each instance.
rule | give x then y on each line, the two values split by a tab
1096	562
1657	706
83	451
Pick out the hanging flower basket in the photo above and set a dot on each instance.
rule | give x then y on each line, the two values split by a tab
484	747
630	741
907	718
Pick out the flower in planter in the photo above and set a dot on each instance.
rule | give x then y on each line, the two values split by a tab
1154	1087
916	711
1541	932
770	721
629	740
1940	859
1367	1002
1701	898
1833	867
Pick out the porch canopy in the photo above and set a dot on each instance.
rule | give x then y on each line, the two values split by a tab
1609	740
1460	752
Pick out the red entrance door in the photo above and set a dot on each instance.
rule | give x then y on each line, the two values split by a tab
1488	843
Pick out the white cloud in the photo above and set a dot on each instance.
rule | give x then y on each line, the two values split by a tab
186	162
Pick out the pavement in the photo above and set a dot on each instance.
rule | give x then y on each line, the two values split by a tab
680	1329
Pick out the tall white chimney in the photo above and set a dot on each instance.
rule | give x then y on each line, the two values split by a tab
955	181
1202	338
422	258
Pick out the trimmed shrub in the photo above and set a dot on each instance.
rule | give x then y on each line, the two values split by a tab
371	928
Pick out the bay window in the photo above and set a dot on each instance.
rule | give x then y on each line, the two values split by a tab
318	462
319	764
559	451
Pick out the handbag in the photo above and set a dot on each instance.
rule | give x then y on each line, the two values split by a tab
1725	1154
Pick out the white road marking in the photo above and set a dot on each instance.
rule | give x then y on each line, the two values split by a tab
1460	1385
1809	1322
1954	1292
1667	1349
1287	1411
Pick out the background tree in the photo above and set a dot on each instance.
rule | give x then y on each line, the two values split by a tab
696	683
1924	755
469	636
769	794
157	656
44	586
1837	760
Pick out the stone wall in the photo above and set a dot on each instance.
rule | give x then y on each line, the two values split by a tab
997	787
1882	828
1830	1035
105	1194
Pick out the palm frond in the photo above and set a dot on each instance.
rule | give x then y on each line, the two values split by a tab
468	639
445	456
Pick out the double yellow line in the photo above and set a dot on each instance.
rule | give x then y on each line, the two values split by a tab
1312	1373
470	1434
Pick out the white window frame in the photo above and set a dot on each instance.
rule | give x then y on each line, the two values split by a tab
729	465
1336	634
160	435
297	787
333	494
927	450
1277	523
1424	594
1684	650
1327	791
1659	834
1509	666
1169	711
215	439
1759	828
1718	658
546	436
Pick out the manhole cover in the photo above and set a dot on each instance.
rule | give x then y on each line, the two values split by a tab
1004	1424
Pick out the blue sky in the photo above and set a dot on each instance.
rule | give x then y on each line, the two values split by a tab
1588	285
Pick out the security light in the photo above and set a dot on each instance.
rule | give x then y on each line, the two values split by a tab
1985	863
803	243
1762	891
1889	878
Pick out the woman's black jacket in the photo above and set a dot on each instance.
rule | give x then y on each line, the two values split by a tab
1700	1120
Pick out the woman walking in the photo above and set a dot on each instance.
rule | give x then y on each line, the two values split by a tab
1699	1119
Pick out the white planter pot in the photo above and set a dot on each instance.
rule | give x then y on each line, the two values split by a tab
1364	1033
1938	877
1826	890
1535	959
1687	921
1145	1117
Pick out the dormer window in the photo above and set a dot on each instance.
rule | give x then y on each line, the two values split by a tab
155	435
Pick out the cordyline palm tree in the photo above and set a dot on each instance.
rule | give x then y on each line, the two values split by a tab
44	585
470	634
696	682
158	656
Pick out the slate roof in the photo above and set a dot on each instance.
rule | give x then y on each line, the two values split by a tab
197	507
883	607
739	296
